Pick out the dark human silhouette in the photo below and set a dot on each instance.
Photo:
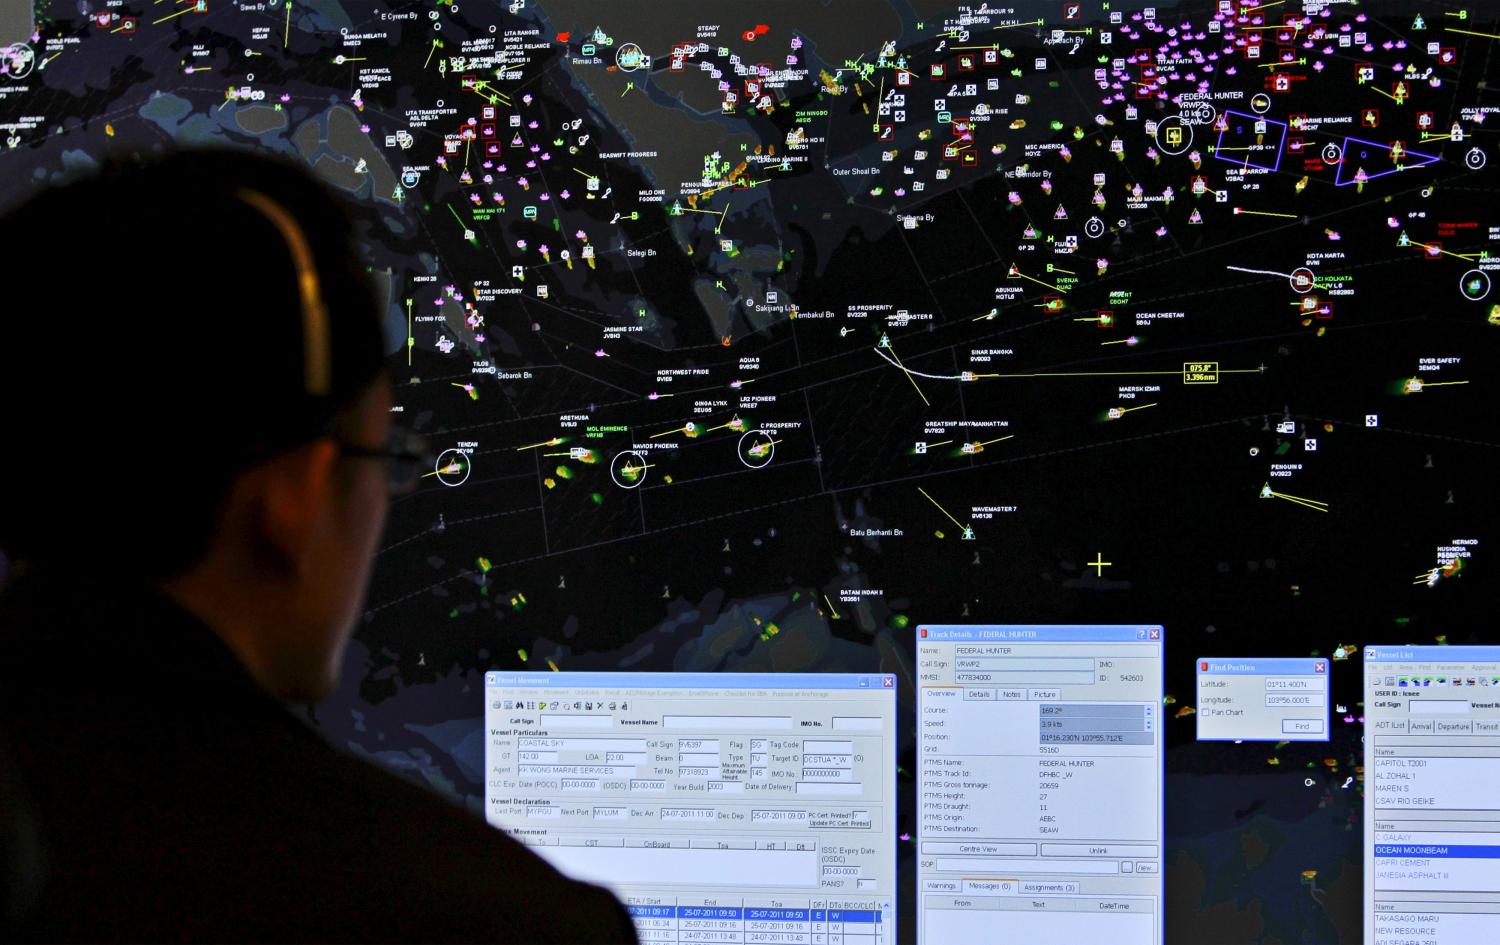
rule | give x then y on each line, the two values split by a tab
199	454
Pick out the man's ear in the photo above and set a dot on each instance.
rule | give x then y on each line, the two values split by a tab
294	491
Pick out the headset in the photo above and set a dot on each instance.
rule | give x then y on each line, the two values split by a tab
317	364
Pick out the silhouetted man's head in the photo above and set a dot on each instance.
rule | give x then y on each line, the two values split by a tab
195	398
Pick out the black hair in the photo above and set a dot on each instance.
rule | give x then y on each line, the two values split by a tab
159	339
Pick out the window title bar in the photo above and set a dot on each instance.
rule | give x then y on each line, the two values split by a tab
549	680
1042	633
1434	654
1259	666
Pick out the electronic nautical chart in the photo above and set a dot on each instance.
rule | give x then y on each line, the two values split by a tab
754	335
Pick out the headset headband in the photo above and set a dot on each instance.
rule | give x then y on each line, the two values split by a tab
317	366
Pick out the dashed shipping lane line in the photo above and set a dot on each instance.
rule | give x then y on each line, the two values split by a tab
457	521
598	544
370	612
925	475
1385	429
1042	454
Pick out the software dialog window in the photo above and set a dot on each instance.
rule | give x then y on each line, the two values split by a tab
1432	801
721	807
1040	784
1259	699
